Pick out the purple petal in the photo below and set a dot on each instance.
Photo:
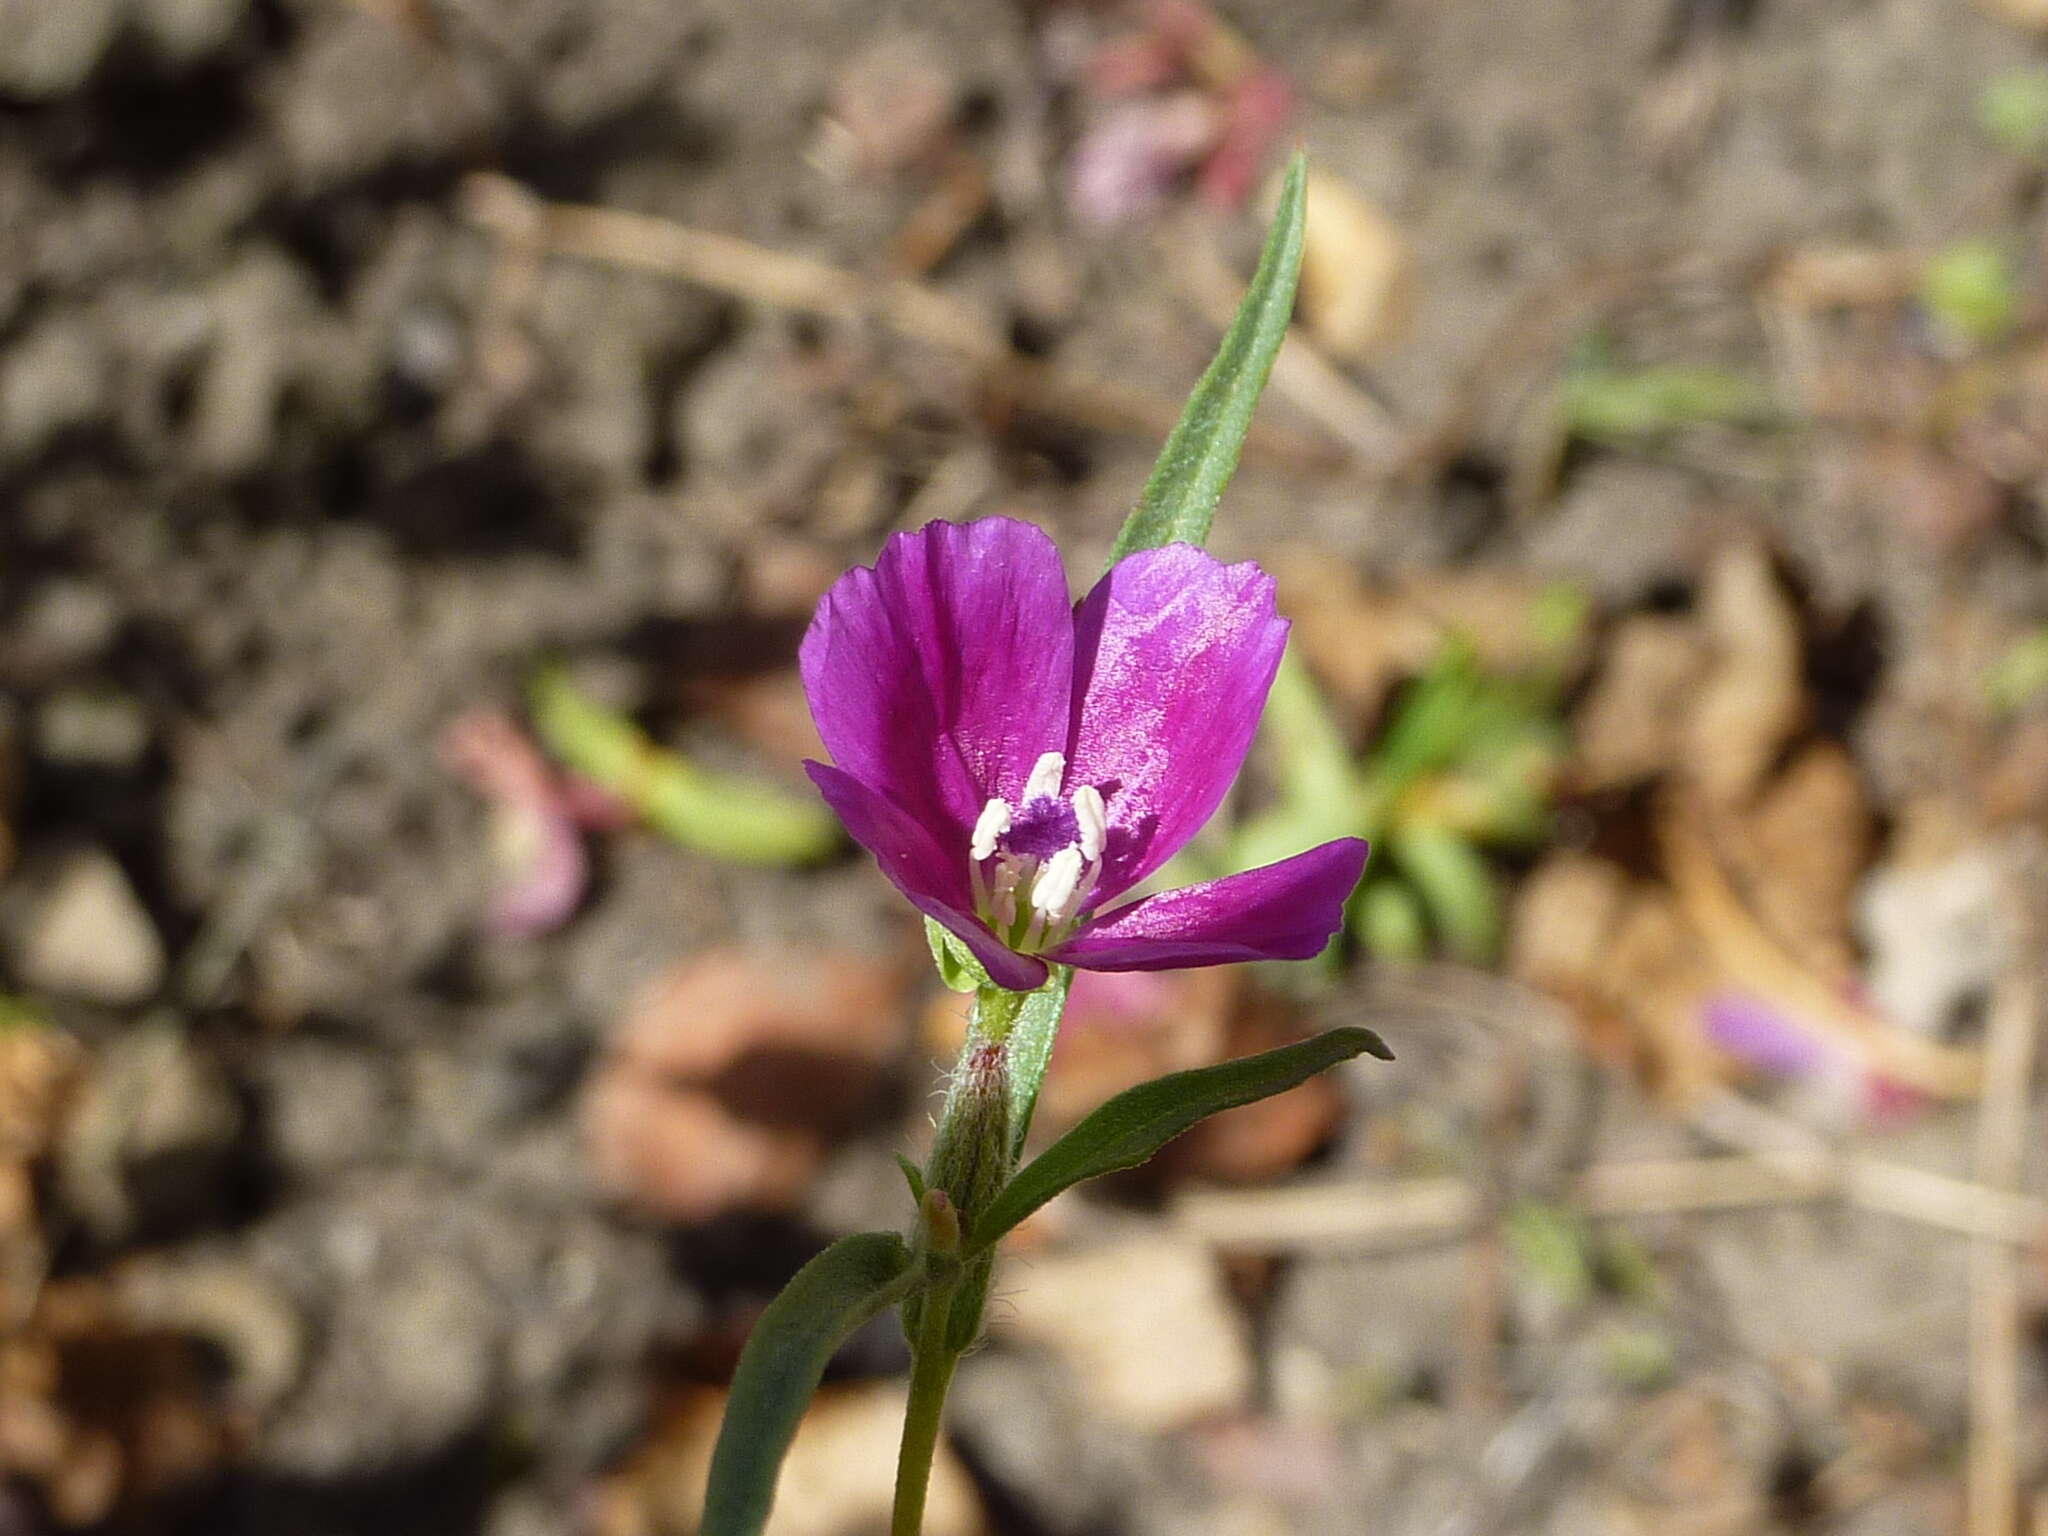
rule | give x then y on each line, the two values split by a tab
547	870
1763	1036
940	676
1284	911
934	879
1173	654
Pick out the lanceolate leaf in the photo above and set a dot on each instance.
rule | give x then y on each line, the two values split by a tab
1139	1121
1201	454
779	1370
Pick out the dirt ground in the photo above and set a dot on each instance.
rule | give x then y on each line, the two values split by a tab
397	1135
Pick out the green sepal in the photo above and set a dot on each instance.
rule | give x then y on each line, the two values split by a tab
958	968
1139	1121
842	1288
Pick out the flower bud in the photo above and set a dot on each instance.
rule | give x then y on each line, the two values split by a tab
940	1223
970	1163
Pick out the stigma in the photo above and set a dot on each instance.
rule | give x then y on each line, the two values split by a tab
1034	865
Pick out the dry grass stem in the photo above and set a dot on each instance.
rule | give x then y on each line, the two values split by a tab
1995	1301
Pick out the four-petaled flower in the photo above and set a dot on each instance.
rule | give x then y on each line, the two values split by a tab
1015	764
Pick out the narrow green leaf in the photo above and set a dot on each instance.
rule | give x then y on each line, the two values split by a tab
1388	920
830	1297
1037	1025
715	813
1619	404
1455	885
1139	1121
1201	453
912	1175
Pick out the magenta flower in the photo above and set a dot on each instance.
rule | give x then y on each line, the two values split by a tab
1015	764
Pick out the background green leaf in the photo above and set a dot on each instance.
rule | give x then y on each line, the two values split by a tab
1971	290
1608	404
1139	1121
2013	111
1201	453
715	813
779	1369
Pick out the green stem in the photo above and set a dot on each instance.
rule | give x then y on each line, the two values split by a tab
931	1373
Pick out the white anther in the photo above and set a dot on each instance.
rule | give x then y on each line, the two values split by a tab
993	823
1057	883
1045	778
1092	820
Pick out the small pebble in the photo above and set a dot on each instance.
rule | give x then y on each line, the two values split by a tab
87	935
48	47
85	728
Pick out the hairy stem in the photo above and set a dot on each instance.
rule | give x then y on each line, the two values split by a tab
931	1373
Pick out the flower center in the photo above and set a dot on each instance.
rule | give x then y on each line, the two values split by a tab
1034	866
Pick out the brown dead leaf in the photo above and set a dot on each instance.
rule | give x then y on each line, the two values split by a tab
837	1480
733	1073
101	1417
1746	955
39	1068
1633	723
1616	951
2016	786
1753	696
1659	977
1800	853
1564	919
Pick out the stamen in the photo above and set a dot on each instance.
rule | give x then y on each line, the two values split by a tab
1057	883
1092	820
1002	901
1087	888
993	823
1045	778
